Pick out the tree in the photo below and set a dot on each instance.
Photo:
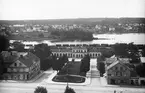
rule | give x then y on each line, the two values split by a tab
54	62
107	53
134	58
58	64
69	90
120	50
101	65
1	64
85	64
132	47
4	43
140	68
40	90
46	63
41	35
43	52
18	46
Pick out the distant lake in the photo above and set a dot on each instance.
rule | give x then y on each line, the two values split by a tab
112	39
104	39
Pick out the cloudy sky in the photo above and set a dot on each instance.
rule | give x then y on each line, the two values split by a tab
57	9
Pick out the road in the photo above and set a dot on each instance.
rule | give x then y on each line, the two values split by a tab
30	87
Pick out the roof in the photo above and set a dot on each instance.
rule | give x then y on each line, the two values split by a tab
111	60
79	47
61	50
128	65
9	57
124	60
100	58
94	50
28	59
112	65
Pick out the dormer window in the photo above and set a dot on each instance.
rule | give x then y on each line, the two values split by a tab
15	64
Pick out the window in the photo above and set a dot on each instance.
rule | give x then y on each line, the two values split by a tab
9	69
109	74
118	73
116	68
15	70
125	75
26	69
121	68
21	70
15	64
96	54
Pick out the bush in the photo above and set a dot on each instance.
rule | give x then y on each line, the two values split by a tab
69	90
40	90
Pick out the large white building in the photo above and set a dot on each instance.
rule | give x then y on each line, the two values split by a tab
76	52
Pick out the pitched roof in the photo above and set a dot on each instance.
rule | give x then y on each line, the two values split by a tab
129	66
61	50
9	57
28	59
112	65
111	60
79	47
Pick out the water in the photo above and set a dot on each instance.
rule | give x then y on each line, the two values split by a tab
121	38
109	39
112	39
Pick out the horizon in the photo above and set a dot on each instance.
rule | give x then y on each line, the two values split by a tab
76	18
70	9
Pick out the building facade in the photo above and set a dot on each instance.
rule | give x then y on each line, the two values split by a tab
118	73
24	66
75	52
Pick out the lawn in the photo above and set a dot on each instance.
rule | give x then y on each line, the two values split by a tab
73	69
71	75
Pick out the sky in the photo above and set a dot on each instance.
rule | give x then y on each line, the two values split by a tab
61	9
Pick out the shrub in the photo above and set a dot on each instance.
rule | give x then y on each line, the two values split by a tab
69	90
40	90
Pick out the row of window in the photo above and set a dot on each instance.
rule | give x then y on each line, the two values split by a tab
76	55
17	64
119	68
18	70
79	50
16	76
36	65
119	74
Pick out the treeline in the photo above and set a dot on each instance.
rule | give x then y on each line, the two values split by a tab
85	65
72	34
75	21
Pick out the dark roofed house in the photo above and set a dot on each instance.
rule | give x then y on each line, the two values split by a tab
24	67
